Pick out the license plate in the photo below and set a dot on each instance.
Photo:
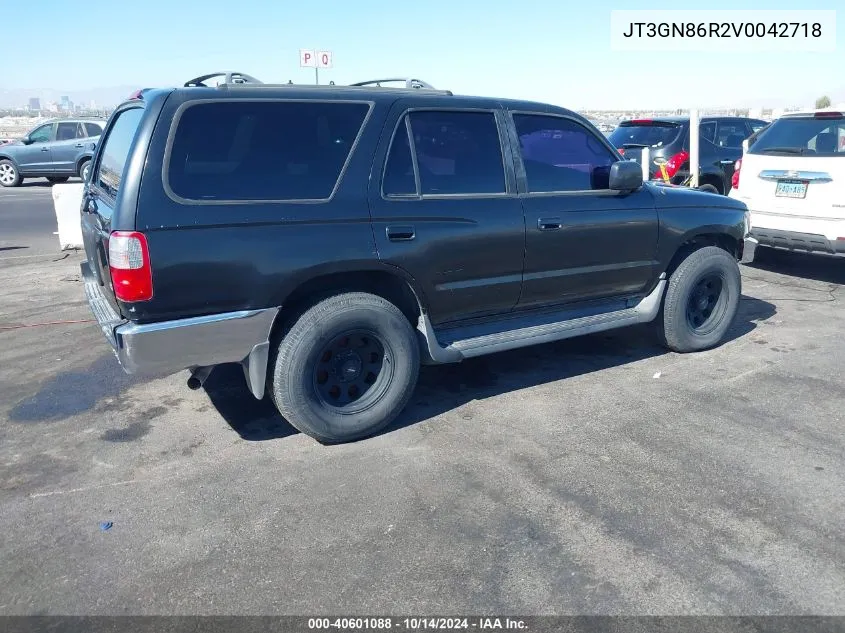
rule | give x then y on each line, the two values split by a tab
791	189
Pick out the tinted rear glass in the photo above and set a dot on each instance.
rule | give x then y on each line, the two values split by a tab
652	135
116	151
802	136
262	150
93	129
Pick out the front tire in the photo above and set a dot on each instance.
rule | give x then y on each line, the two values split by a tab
346	367
9	174
701	301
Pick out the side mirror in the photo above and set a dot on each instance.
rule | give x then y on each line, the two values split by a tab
625	175
26	140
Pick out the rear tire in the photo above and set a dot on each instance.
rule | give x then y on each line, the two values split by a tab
84	168
345	368
57	180
9	174
701	301
708	188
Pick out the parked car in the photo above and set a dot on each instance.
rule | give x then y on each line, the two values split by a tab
793	180
329	239
720	146
56	150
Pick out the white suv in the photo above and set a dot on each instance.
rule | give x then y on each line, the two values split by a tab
792	178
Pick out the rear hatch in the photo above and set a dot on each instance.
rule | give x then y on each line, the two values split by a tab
796	167
105	194
630	137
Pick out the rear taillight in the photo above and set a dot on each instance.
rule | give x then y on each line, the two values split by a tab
129	265
735	177
673	165
621	150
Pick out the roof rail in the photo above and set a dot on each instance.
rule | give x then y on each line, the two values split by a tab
408	81
228	78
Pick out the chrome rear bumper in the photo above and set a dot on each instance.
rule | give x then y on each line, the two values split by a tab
167	347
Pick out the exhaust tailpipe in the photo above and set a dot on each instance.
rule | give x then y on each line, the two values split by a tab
198	377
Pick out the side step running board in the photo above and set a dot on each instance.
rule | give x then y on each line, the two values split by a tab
535	329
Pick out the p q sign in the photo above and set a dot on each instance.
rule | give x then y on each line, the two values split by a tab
315	59
324	59
307	59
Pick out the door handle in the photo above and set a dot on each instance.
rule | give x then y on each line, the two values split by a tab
79	145
45	149
400	233
90	207
549	224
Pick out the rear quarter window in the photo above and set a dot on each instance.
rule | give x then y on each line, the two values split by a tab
803	136
261	150
115	153
651	135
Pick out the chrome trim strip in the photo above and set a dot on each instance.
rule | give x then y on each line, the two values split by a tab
786	174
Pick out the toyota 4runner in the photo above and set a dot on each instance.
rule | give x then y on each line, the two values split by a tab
330	239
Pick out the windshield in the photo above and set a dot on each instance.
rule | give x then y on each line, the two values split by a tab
653	134
802	136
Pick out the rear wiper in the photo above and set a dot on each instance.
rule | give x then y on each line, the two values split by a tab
633	145
783	150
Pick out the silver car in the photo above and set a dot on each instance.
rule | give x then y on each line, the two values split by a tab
56	150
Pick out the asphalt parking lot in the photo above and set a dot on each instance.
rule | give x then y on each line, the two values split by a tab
599	475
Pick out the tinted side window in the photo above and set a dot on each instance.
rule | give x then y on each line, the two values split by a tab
707	131
41	134
561	155
262	150
458	152
116	151
399	178
93	129
731	134
66	131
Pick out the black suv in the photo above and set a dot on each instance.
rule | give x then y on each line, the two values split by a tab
720	146
329	239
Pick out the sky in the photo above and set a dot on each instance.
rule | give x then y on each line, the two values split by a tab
556	51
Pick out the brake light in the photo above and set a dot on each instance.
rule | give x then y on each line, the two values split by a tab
735	177
129	265
828	115
673	165
641	122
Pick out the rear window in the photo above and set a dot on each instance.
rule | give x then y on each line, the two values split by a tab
116	151
262	150
654	134
802	136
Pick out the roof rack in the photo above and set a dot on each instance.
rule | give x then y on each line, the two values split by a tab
228	78
408	81
233	78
